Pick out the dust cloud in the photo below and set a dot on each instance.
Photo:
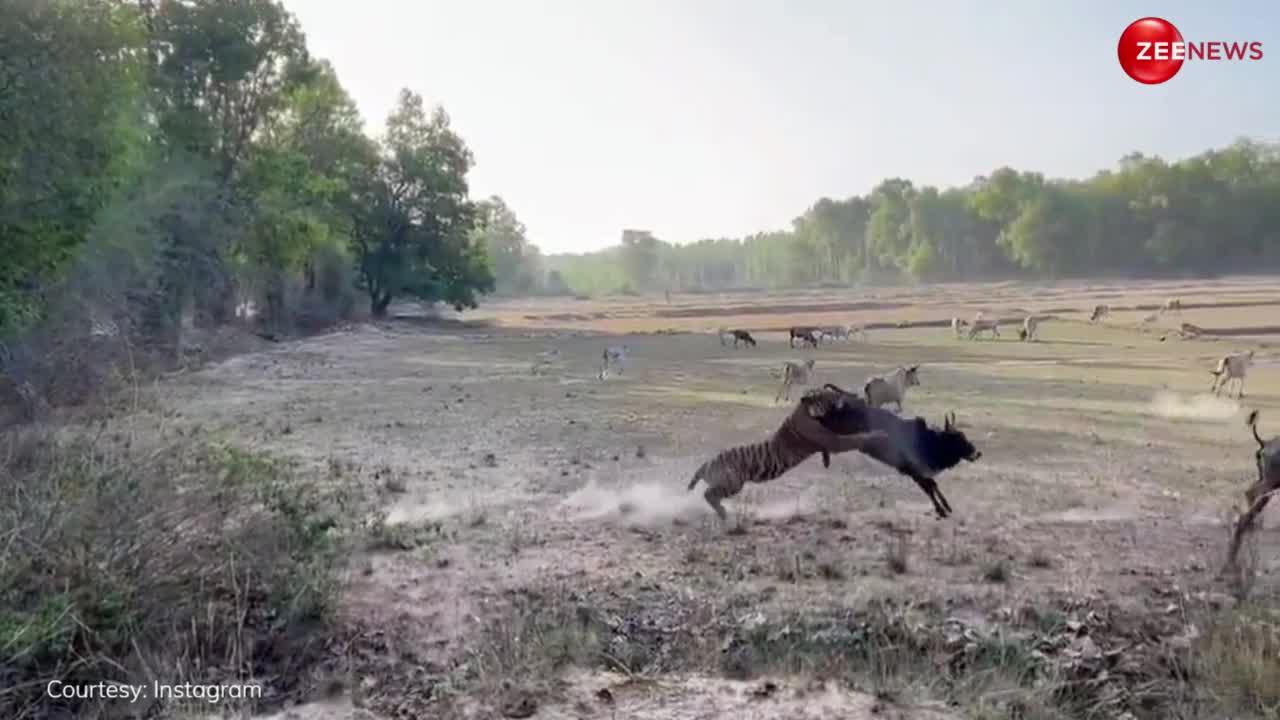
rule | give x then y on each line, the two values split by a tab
1198	407
644	501
661	494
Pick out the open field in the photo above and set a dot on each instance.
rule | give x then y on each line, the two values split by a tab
1231	308
542	521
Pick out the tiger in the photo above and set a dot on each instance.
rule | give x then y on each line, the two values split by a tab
800	436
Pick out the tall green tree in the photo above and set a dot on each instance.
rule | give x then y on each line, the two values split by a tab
298	185
224	68
72	92
837	229
640	255
889	225
517	265
414	220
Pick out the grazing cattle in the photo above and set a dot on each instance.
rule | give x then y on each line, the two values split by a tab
1258	494
912	447
615	356
738	336
1029	327
981	324
805	334
1231	367
835	332
794	374
1099	312
801	435
891	388
957	326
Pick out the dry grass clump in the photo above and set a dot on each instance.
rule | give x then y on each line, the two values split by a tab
1236	662
183	562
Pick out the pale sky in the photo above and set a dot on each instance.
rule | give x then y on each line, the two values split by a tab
719	118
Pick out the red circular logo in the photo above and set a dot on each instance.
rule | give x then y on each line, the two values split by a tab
1151	50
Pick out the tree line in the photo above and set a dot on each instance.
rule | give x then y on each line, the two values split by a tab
199	150
174	163
168	166
1216	212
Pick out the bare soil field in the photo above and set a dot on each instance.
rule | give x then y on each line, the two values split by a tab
544	559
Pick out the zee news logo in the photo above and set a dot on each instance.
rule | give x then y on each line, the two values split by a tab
1152	50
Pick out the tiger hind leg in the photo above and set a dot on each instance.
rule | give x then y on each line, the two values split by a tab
714	495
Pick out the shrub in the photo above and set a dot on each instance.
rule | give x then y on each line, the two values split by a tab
178	563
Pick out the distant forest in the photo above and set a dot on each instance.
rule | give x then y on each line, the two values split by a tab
1216	212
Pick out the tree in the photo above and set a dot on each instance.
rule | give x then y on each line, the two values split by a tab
888	227
224	69
931	228
1039	238
517	265
413	223
71	114
837	231
297	187
803	264
221	72
639	257
556	284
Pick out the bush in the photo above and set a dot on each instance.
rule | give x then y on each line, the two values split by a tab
115	309
333	298
180	563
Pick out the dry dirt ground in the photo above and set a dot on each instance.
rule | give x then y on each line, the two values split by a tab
538	518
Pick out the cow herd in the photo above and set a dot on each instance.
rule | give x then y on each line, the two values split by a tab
870	434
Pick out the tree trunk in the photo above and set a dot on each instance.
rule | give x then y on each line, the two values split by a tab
378	303
275	310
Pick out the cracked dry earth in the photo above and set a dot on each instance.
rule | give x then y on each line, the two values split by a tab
559	485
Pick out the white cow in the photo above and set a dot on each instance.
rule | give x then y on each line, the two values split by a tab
1231	367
